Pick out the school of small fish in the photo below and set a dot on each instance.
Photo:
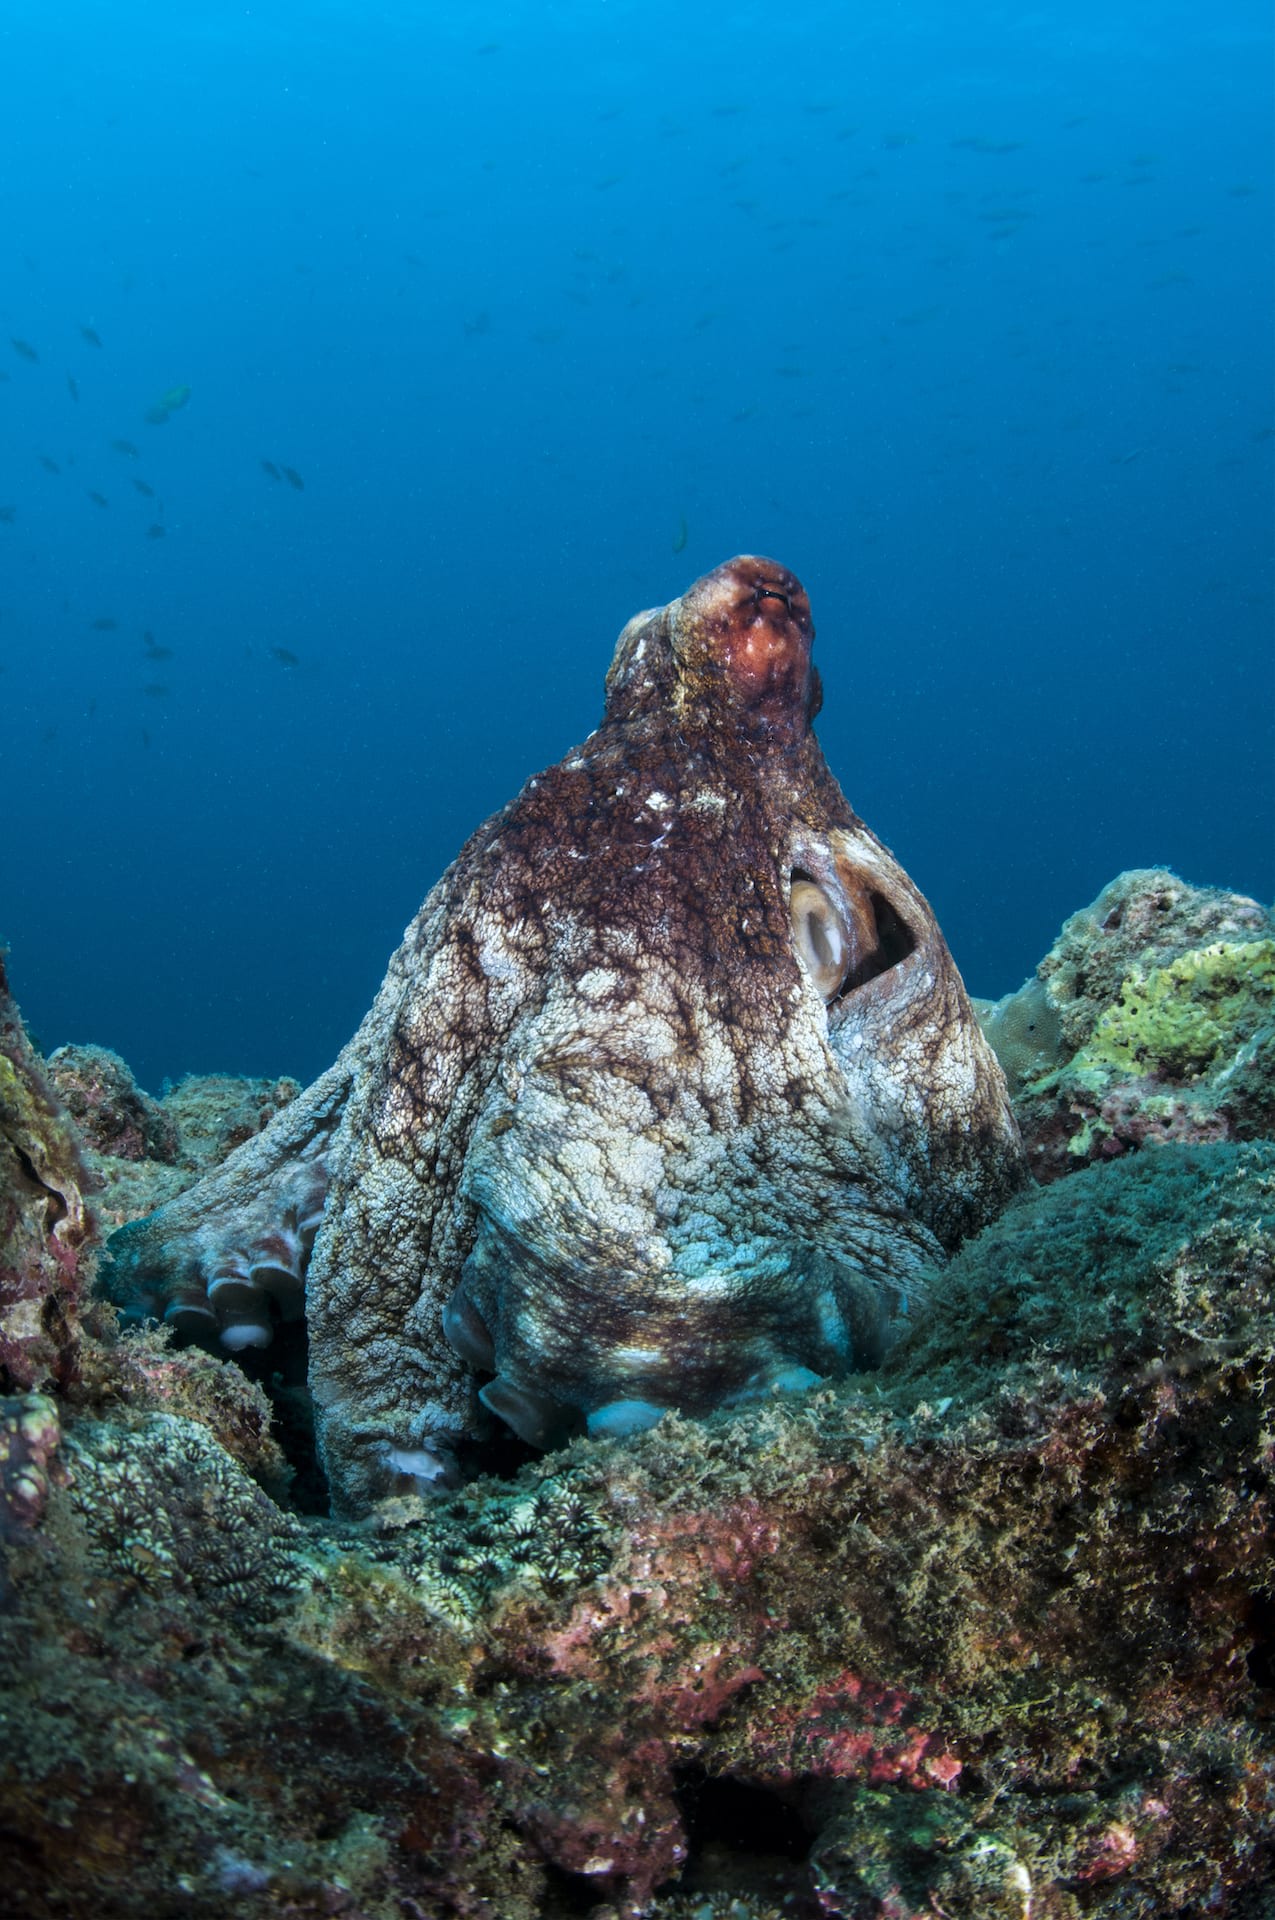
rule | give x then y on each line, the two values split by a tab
157	413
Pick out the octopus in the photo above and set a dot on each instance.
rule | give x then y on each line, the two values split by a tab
671	1098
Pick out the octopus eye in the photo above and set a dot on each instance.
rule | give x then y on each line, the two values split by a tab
822	938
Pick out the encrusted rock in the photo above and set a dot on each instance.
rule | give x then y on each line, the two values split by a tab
45	1225
112	1112
986	1633
30	1434
986	1628
1151	1019
216	1112
194	1127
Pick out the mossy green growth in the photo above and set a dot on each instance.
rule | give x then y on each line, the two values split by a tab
1185	1020
1168	1252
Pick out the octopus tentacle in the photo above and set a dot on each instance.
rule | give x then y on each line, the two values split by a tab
225	1261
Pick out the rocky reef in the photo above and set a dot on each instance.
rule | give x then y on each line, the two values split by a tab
987	1632
1151	1018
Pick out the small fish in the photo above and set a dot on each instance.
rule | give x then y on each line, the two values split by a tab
98	499
49	464
143	488
92	335
175	397
105	624
156	689
978	143
155	531
7	516
146	739
285	656
681	536
158	653
268	466
72	386
293	478
23	348
126	447
156	416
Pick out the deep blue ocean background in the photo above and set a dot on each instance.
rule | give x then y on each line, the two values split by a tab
965	314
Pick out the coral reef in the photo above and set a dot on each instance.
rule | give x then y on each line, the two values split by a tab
169	1509
1151	1019
988	1633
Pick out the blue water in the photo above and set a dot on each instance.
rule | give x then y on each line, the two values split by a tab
962	313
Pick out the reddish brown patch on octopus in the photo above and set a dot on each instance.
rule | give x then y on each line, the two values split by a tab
752	619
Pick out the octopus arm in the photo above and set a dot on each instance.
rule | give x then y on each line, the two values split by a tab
345	1209
393	1392
222	1262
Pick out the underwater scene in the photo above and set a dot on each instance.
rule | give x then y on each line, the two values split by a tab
637	971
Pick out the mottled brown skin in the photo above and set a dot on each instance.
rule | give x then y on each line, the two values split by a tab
626	1128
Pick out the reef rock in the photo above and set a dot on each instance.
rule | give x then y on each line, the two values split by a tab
1151	1019
45	1224
986	1633
114	1116
146	1150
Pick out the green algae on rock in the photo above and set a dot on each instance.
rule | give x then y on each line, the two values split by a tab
1201	1013
1151	1019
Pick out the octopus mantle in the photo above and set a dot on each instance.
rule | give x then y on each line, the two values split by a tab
667	1099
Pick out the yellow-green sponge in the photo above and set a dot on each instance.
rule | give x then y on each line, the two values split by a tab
1186	1019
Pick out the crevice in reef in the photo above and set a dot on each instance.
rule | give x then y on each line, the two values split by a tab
741	1839
1261	1655
568	1896
280	1370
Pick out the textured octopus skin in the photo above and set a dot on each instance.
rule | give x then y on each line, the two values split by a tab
669	1096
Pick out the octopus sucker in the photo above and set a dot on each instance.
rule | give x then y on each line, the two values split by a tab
672	1096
